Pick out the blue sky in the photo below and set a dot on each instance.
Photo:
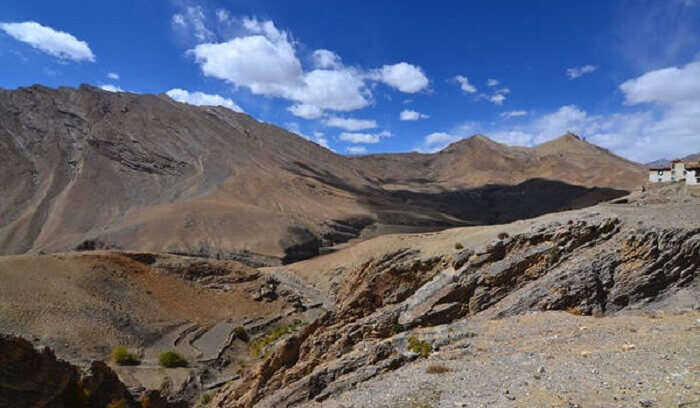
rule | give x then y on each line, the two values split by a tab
387	76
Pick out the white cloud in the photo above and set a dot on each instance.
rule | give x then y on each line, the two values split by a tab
513	114
339	90
267	64
57	43
497	99
369	138
492	82
305	111
326	59
111	88
222	15
193	21
179	20
357	150
666	122
464	84
264	59
320	138
671	85
576	72
351	124
407	101
113	76
201	98
408	114
437	141
405	77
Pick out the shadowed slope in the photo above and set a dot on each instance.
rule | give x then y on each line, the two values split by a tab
144	172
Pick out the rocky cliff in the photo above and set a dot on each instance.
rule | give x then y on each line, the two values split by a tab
393	309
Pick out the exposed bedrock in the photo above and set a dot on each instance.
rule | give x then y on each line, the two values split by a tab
575	267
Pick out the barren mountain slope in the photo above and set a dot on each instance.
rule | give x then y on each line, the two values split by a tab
465	297
85	167
479	160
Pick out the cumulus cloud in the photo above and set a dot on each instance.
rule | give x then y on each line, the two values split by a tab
497	97
464	84
201	98
59	44
405	77
351	124
369	138
408	114
492	82
671	85
513	114
305	111
264	59
326	59
113	76
576	72
665	125
437	141
357	150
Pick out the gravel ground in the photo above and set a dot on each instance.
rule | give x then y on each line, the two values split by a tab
551	359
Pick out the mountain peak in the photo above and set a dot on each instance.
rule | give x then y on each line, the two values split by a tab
569	136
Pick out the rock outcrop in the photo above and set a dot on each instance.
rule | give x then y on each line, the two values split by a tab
36	378
592	265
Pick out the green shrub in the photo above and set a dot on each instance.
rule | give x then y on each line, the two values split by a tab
418	346
205	399
459	246
397	328
171	359
258	345
240	333
121	356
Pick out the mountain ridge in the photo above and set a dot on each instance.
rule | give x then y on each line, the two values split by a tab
90	168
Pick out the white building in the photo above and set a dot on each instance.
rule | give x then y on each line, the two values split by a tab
676	172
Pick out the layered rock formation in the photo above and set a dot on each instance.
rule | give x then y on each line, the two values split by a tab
591	265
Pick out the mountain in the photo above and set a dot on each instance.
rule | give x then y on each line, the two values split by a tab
667	162
85	168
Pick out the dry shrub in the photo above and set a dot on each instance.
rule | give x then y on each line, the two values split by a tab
436	369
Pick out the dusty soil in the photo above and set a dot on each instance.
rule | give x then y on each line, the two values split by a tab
551	359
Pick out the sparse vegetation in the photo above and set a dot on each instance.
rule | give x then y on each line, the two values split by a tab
458	246
205	399
398	328
240	333
171	359
503	235
421	347
123	357
259	345
437	369
118	404
573	310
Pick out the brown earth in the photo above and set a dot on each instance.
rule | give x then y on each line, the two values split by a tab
93	169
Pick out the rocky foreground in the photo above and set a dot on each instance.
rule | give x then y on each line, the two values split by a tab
596	307
463	308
